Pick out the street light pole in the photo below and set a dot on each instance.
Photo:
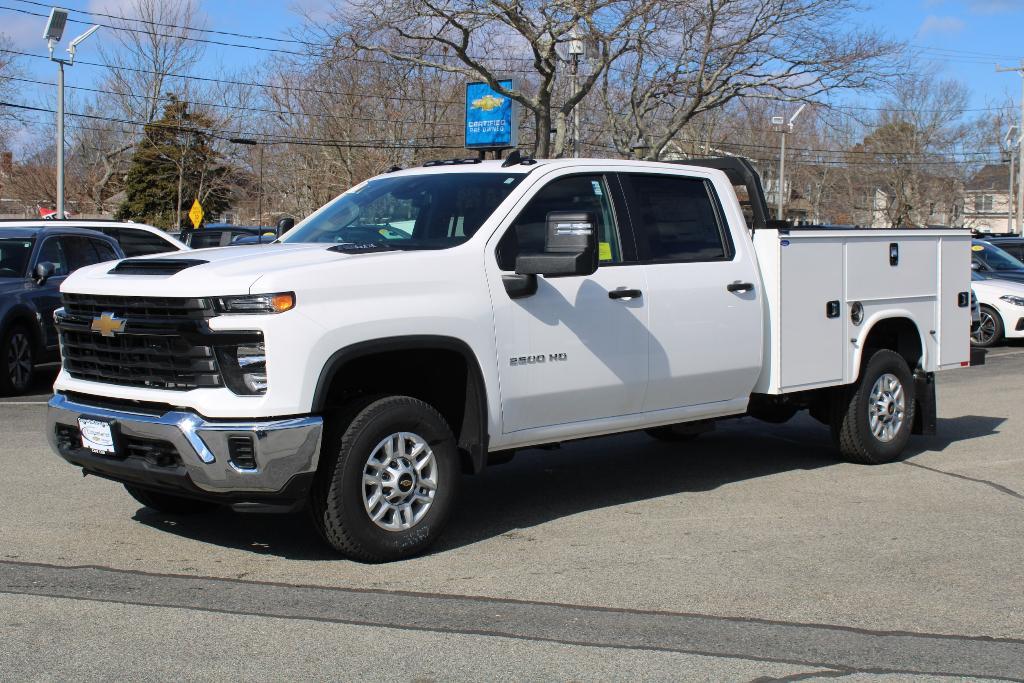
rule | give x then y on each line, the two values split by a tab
777	120
52	34
255	143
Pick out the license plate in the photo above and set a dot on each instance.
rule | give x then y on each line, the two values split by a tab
96	435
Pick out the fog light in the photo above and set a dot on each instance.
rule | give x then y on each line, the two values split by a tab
252	361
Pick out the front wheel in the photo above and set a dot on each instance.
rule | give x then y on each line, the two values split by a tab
389	479
873	423
990	330
17	360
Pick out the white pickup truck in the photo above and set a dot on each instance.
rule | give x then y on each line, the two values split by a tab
430	321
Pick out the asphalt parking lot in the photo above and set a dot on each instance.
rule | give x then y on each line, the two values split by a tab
749	554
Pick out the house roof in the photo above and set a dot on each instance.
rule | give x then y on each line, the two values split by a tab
993	177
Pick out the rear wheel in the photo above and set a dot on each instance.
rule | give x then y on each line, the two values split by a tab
872	423
391	473
990	330
17	360
169	504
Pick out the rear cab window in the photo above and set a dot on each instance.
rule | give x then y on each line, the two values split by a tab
676	219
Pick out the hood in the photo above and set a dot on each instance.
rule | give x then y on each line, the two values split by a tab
1005	275
223	271
994	287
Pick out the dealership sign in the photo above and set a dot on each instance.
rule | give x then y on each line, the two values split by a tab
490	117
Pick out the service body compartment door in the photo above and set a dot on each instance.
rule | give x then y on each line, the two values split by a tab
954	320
812	336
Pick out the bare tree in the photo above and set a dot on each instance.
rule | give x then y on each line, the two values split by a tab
918	151
490	40
704	54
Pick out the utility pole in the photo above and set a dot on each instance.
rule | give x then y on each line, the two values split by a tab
778	121
1020	147
1010	210
52	34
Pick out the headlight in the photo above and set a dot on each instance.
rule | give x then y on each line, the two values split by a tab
244	368
256	303
1015	300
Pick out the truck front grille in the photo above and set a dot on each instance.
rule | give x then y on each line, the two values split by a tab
164	343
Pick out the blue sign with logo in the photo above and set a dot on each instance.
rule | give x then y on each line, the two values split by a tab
490	117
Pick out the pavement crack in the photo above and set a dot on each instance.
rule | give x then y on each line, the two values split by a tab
805	675
986	482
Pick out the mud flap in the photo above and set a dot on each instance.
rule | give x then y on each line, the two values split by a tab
925	416
978	356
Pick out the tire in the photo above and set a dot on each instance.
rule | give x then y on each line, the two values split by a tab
17	360
879	434
169	504
990	332
374	500
670	435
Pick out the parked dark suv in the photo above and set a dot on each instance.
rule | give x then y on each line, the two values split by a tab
33	263
1014	246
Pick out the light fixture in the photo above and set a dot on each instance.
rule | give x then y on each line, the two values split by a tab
55	26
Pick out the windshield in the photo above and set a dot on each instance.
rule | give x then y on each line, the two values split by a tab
434	211
995	258
14	253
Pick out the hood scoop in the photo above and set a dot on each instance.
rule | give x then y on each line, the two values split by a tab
155	266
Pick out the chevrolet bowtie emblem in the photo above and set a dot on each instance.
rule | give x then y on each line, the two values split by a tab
107	324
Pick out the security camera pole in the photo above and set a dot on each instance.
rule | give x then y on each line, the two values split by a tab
53	33
777	120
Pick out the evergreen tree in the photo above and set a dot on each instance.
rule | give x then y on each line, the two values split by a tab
173	164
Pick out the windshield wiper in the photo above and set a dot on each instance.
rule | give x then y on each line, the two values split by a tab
361	247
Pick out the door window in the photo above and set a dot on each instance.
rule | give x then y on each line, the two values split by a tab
574	193
138	242
104	250
53	251
676	219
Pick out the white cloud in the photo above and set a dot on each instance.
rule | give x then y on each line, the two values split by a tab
935	24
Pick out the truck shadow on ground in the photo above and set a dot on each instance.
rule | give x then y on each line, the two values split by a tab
539	486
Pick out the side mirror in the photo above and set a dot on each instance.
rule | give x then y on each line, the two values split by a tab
284	225
43	271
570	247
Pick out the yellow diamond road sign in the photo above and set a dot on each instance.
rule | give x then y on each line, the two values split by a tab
196	214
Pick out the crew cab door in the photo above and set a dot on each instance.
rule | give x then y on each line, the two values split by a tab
576	348
703	292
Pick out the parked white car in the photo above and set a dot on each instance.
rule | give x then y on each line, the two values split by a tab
135	239
1002	310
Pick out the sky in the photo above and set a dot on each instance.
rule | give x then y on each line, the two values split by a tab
965	37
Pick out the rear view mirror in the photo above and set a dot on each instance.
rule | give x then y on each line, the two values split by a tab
284	225
570	247
43	271
975	265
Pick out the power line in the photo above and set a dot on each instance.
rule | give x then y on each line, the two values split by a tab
249	84
269	138
197	103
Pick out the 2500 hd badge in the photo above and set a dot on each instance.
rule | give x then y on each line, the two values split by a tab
536	360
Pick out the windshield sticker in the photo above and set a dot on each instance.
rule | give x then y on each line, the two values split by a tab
597	187
510	180
604	251
977	247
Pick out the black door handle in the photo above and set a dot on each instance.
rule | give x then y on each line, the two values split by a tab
740	287
625	294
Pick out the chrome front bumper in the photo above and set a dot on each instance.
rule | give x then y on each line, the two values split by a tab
195	456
